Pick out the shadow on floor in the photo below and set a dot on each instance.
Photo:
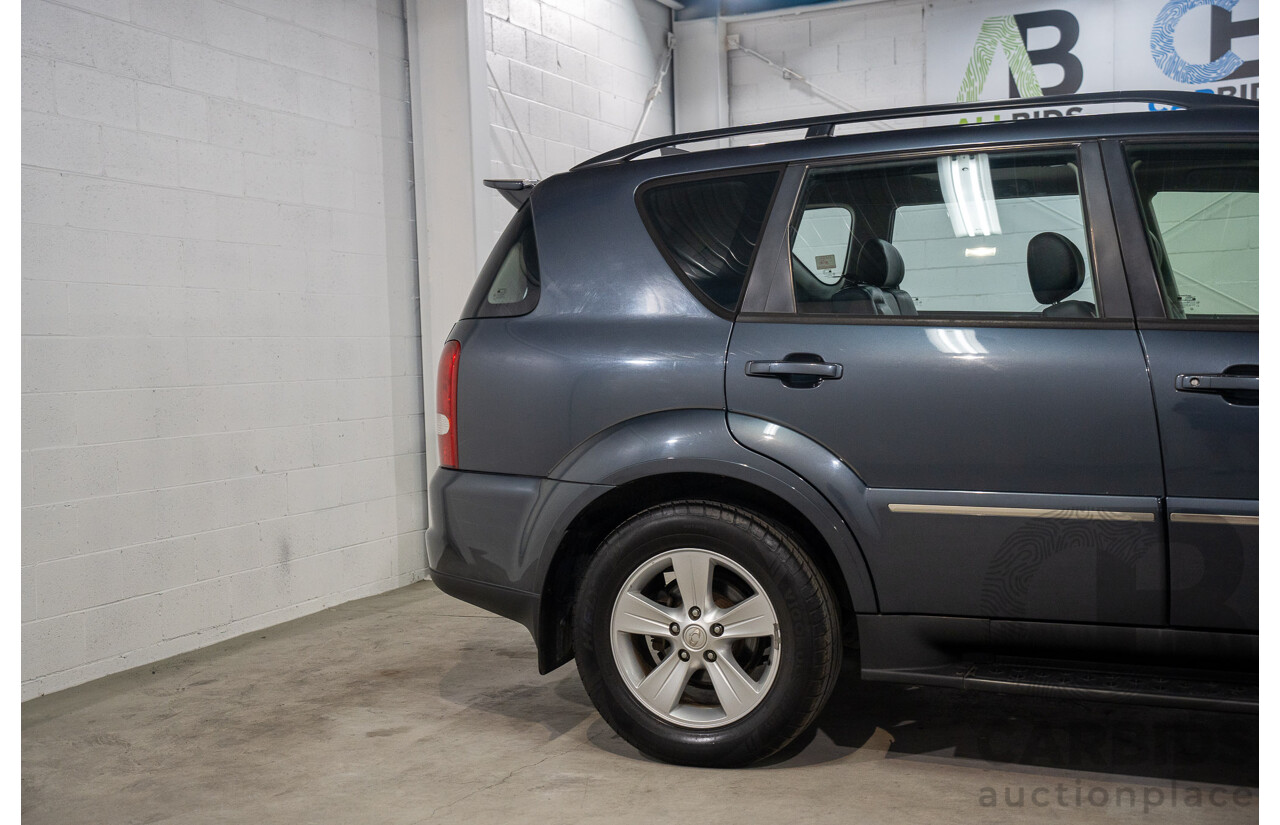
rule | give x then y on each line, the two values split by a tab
1035	732
1009	732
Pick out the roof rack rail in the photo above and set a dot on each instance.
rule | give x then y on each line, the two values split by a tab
824	126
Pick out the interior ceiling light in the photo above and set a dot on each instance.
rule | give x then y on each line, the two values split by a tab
969	195
980	252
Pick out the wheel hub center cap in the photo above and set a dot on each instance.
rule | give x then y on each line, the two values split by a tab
695	637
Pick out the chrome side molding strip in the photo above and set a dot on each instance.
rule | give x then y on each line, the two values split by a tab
1022	512
1214	518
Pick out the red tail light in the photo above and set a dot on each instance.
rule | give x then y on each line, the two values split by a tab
447	404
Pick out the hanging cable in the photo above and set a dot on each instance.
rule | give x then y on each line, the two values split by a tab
791	74
514	125
656	88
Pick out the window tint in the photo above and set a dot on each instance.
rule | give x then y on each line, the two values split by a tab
708	228
510	280
967	233
1200	204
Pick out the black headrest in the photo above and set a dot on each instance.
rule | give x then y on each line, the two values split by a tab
879	264
1055	267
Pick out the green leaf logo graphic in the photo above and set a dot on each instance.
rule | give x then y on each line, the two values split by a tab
1002	32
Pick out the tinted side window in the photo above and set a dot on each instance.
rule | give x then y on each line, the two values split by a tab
1200	204
966	233
510	281
708	229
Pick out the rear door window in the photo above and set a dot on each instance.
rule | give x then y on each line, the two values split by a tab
998	233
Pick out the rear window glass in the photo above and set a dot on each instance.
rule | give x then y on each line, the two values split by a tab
510	280
708	229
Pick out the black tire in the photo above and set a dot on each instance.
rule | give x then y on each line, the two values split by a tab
792	670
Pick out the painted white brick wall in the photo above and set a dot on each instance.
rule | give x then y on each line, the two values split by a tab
575	74
870	55
222	381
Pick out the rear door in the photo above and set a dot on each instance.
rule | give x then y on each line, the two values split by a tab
1188	212
1005	430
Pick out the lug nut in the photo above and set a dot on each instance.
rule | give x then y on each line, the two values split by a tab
675	629
695	612
710	655
684	655
717	630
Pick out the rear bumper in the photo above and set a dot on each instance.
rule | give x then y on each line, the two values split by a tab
492	536
511	604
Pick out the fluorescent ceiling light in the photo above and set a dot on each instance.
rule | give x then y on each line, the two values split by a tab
969	195
980	252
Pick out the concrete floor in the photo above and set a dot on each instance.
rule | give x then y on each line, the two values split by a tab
413	707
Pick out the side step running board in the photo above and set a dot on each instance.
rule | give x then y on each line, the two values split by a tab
1236	697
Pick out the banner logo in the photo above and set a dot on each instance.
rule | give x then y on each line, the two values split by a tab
1009	34
1223	29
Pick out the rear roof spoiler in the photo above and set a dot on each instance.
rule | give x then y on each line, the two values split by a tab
515	191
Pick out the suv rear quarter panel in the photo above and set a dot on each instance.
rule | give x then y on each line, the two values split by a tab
615	336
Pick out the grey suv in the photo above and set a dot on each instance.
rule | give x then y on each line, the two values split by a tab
975	403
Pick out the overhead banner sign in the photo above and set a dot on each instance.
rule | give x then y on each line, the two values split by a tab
998	49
